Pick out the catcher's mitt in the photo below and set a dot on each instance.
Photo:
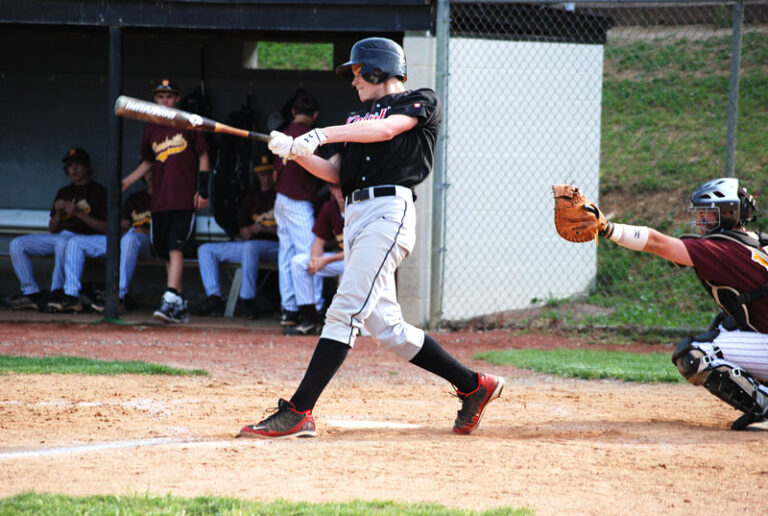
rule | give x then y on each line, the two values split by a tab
576	219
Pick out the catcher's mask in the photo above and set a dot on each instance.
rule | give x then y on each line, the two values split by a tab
720	205
381	58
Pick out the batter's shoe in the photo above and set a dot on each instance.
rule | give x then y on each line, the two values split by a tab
285	422
473	405
289	318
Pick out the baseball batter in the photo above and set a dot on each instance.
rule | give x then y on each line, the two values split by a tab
389	149
730	359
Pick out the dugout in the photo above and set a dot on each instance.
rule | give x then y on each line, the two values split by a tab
63	62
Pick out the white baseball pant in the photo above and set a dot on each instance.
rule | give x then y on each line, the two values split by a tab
745	349
133	244
249	254
309	287
294	230
378	234
39	244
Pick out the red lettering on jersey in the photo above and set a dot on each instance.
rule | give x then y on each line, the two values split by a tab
368	116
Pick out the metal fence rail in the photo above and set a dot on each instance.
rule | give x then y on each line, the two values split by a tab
636	102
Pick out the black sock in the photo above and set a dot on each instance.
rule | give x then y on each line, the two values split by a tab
326	360
308	313
437	360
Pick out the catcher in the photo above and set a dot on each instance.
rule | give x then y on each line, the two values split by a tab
730	360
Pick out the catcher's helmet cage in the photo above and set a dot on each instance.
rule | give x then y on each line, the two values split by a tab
732	205
381	58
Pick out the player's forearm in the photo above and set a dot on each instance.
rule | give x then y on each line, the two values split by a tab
318	247
204	160
319	167
336	257
137	174
92	222
370	131
54	224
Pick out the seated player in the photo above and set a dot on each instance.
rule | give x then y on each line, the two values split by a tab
79	208
325	261
258	231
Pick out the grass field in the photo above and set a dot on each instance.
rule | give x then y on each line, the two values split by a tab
664	129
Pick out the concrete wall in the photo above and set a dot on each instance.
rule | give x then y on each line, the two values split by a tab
414	274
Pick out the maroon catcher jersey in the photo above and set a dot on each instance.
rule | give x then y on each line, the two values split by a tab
728	263
174	153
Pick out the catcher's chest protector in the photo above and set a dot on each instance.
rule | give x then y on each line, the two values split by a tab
732	301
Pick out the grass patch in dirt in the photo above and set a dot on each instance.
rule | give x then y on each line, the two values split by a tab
47	504
590	364
86	366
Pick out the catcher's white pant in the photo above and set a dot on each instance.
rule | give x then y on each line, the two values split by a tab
378	234
744	349
133	245
309	287
294	230
39	244
249	254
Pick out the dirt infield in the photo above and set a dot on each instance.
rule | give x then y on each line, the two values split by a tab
557	446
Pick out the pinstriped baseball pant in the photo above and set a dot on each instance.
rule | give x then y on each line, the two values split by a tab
39	244
309	287
744	349
133	245
249	254
294	230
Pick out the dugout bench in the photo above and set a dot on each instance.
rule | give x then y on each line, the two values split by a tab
16	222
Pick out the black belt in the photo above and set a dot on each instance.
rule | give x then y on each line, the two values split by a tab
370	193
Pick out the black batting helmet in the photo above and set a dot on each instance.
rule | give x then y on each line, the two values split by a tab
381	58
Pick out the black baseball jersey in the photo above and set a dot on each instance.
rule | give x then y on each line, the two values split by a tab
406	159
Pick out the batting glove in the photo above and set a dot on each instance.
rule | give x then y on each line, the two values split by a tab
307	143
280	144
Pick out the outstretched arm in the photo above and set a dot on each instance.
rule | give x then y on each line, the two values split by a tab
649	240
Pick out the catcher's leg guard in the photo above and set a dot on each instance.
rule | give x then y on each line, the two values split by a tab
691	361
725	380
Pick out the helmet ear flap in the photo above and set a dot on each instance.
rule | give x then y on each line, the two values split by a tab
747	207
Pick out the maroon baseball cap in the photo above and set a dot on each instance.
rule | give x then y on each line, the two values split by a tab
78	155
167	85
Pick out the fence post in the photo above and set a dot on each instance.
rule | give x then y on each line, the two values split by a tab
114	192
439	184
733	89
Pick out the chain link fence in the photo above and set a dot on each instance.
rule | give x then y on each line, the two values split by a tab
628	100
